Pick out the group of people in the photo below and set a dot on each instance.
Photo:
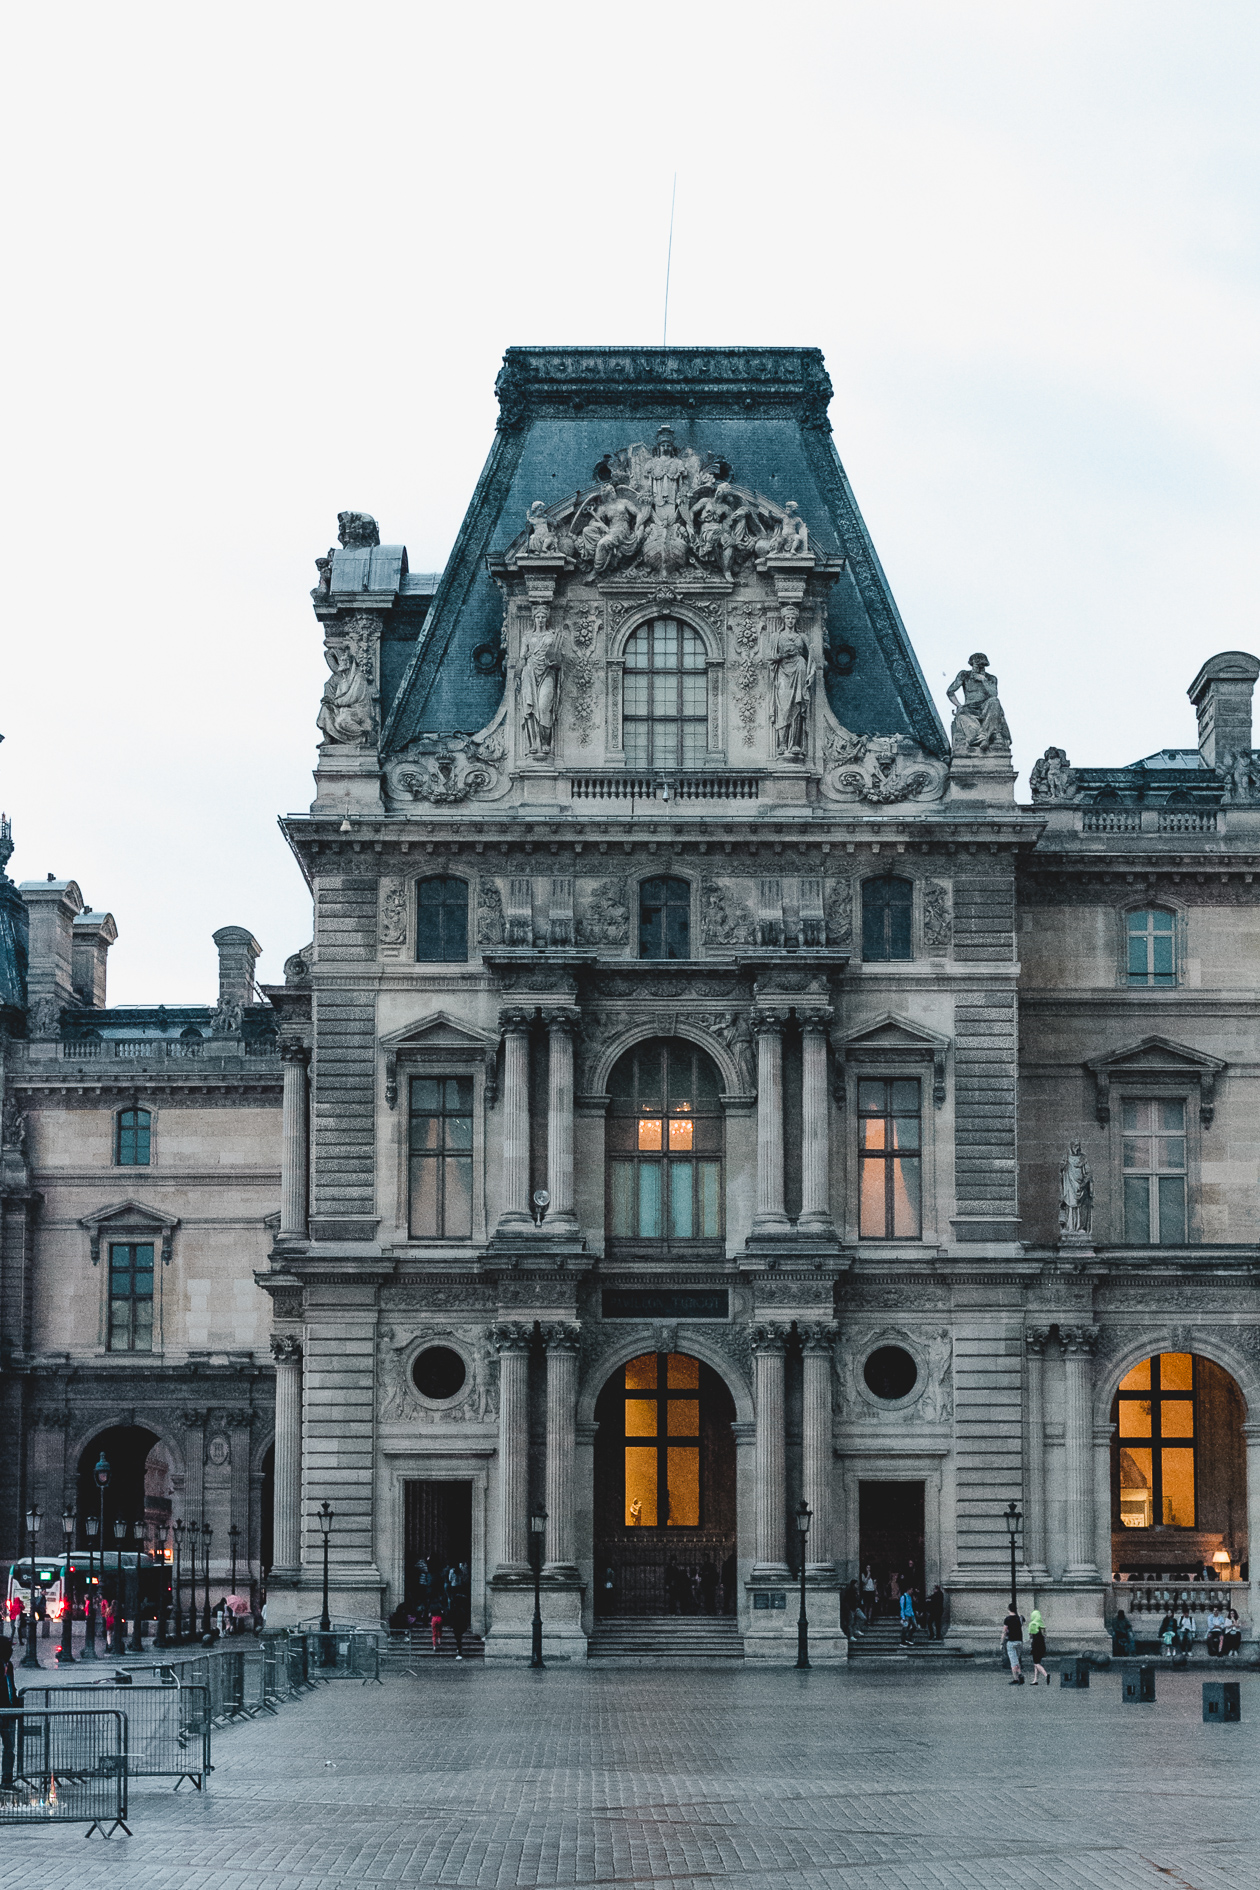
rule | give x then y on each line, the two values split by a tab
1178	1632
1013	1645
702	1590
865	1598
443	1599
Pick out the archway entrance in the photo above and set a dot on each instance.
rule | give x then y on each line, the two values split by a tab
141	1482
1179	1472
665	1489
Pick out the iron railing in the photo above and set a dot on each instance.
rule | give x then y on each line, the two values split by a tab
70	1767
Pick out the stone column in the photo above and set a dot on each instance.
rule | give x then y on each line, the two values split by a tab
1078	1346
815	1125
1035	1340
770	1217
768	1344
286	1548
560	1026
817	1465
1251	1437
562	1351
513	1343
515	1027
293	1143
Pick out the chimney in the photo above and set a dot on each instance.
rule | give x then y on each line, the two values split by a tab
239	952
93	934
52	905
1221	694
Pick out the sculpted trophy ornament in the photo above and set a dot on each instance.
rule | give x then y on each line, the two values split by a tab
1076	1195
979	724
879	768
539	684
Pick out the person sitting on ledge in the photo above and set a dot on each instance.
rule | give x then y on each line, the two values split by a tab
1122	1641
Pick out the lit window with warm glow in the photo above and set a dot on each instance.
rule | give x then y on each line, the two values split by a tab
662	1441
890	1201
1156	1433
664	1143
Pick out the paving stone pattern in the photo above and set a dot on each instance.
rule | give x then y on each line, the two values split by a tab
468	1776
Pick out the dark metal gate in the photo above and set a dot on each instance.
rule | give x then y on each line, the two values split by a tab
682	1571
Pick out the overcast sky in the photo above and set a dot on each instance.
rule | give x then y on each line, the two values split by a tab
263	261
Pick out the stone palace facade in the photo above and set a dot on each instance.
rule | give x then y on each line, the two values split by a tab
708	1089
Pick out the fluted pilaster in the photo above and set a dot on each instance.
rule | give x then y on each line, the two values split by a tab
1078	1347
815	1126
515	1115
562	1357
816	1443
768	1347
286	1548
513	1342
560	1027
1035	1341
771	1215
294	1134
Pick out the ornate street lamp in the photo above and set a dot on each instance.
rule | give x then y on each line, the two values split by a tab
207	1625
194	1536
177	1586
328	1655
804	1517
537	1531
234	1537
65	1653
92	1524
33	1520
137	1638
119	1643
1013	1519
160	1639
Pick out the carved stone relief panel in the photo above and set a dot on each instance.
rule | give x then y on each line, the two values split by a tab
603	913
938	922
930	1399
399	1346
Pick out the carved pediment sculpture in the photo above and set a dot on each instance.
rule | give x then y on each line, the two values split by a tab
879	768
662	509
448	769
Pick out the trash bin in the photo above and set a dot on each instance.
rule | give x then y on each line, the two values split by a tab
1140	1686
1075	1672
1222	1700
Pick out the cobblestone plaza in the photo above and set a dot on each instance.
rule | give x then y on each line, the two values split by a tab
759	1778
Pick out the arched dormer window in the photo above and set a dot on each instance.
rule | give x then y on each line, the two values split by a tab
664	918
132	1138
887	906
1151	946
664	1143
442	919
665	714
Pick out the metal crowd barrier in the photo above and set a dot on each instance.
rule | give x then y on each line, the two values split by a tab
343	1652
168	1726
70	1767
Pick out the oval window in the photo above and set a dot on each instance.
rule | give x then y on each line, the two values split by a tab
891	1373
438	1372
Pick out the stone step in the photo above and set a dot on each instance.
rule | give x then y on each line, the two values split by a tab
667	1638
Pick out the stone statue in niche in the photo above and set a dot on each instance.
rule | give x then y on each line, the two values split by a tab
734	1030
792	681
1051	777
1238	767
539	684
345	713
543	542
393	915
979	724
1076	1194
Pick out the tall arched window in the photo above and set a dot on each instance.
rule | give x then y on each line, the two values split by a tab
1151	936
664	919
665	712
442	919
886	908
132	1138
664	1146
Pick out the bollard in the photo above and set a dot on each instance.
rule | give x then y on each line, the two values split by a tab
1140	1686
1222	1700
1075	1672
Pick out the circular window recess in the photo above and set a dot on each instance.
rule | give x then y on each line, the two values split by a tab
440	1373
891	1373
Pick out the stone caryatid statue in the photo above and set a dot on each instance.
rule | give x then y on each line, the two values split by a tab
979	724
540	684
345	714
1051	778
792	674
1076	1194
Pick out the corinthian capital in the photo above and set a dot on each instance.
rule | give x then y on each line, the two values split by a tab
1078	1339
562	1338
286	1348
511	1337
767	1338
1036	1338
817	1338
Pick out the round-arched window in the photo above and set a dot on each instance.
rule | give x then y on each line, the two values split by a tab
665	711
890	1372
664	1145
439	1372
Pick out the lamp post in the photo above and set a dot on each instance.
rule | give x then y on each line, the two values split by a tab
234	1537
119	1643
137	1637
804	1517
537	1530
207	1626
160	1639
100	1477
194	1536
33	1520
65	1653
327	1652
92	1524
177	1586
1012	1519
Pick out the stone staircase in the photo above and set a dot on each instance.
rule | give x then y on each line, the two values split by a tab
882	1636
667	1640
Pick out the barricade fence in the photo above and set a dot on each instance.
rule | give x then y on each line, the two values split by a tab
69	1767
168	1724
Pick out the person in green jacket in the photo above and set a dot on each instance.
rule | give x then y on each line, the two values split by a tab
1037	1643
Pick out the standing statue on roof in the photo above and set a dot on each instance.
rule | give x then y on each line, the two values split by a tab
979	723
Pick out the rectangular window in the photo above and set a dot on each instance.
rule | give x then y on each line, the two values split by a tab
441	1157
889	1146
132	1138
131	1298
1153	1156
1151	942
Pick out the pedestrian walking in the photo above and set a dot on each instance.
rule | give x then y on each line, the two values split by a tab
870	1594
1013	1641
936	1613
458	1604
905	1607
1037	1645
9	1700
